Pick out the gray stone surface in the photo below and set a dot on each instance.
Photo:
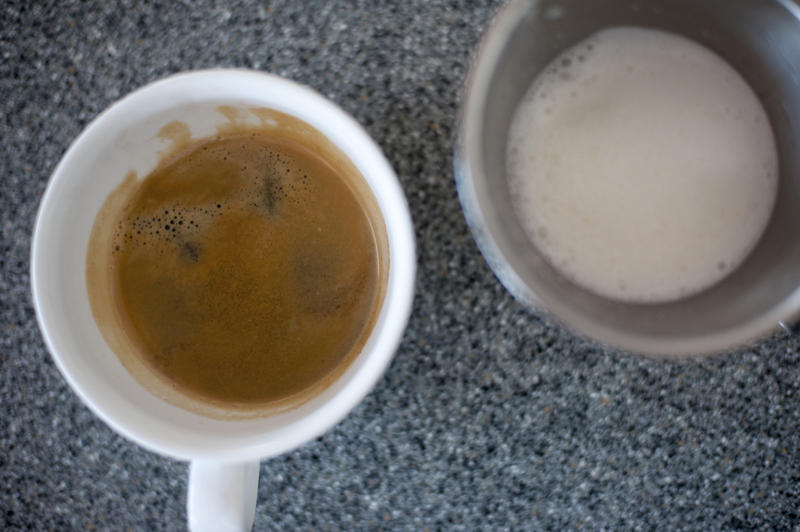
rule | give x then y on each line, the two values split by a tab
489	418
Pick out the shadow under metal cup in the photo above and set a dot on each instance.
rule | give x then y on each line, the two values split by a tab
760	39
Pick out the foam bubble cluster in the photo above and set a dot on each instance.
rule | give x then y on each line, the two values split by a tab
262	180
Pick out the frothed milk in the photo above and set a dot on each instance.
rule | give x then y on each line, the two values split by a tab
642	165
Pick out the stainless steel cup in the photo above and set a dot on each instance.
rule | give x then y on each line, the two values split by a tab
761	39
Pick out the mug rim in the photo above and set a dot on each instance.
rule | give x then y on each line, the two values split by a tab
387	331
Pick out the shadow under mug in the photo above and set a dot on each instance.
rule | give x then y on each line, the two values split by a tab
759	39
225	454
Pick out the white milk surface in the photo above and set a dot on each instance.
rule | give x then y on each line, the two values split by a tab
642	165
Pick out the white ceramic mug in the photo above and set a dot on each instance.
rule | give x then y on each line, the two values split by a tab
224	455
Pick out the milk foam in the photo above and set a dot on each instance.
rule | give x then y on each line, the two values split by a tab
642	165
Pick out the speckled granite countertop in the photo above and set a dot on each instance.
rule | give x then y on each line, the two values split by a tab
490	417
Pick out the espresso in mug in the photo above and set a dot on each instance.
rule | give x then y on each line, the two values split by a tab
244	272
642	165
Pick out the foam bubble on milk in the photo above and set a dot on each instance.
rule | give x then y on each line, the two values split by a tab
642	165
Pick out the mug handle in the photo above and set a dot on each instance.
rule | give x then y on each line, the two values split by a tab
222	496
